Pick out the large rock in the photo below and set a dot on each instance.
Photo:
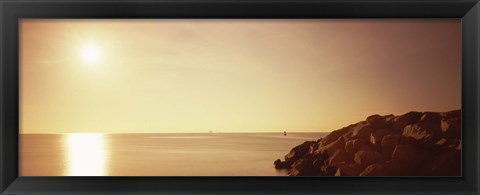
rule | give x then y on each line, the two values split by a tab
303	167
369	157
334	135
350	170
400	122
451	114
299	151
389	120
389	142
410	154
314	147
339	156
353	146
377	136
376	121
441	142
332	147
403	152
328	170
431	117
445	144
423	132
360	131
281	164
444	164
334	152
389	117
451	128
389	168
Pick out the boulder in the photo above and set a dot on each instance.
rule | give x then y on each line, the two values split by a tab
350	170
360	131
332	147
389	120
389	117
369	157
441	142
313	147
451	128
410	154
432	117
299	151
423	132
319	161
444	144
400	122
443	164
353	146
328	170
389	142
377	136
389	168
451	114
339	156
319	140
303	167
376	121
334	135
454	144
403	152
281	164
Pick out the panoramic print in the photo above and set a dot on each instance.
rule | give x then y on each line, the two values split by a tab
240	97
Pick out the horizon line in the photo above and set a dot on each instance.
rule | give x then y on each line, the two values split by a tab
280	132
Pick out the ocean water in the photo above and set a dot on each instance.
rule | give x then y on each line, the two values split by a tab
181	154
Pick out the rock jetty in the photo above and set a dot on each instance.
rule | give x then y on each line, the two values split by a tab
413	144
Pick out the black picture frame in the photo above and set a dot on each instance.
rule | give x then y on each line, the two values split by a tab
12	10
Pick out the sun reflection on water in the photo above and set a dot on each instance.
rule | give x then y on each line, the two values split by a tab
86	154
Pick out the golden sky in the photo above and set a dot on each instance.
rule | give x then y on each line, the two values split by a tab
184	75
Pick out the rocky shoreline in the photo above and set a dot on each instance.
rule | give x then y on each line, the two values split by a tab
413	144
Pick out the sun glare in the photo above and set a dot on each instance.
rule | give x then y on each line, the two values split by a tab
90	53
86	154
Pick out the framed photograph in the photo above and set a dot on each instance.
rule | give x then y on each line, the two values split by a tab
247	97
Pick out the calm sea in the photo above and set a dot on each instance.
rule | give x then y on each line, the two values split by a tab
182	154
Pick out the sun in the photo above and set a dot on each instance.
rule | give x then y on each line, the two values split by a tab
90	53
